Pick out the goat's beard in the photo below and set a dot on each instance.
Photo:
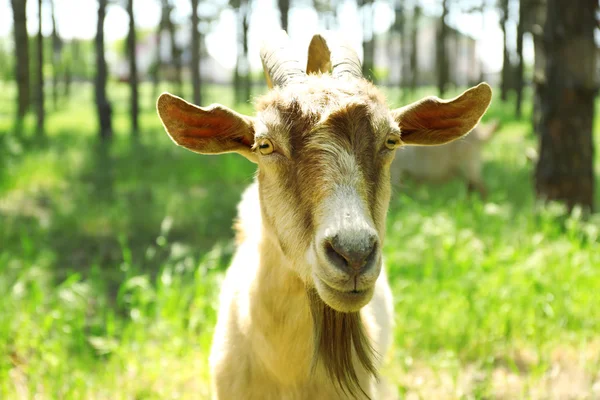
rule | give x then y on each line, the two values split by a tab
339	339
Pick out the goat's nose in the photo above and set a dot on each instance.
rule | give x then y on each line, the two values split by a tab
352	252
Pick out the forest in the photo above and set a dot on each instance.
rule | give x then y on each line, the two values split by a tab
114	242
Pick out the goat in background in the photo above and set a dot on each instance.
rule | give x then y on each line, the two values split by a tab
438	164
306	311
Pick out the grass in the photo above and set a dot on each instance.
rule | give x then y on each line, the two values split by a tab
111	260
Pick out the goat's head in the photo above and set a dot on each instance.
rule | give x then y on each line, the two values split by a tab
323	139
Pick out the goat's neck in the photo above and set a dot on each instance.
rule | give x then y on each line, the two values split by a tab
279	308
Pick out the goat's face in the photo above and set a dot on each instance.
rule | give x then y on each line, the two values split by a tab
324	145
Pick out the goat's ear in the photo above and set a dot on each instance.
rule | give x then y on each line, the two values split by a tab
434	121
206	130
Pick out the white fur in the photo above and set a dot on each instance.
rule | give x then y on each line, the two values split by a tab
438	164
262	346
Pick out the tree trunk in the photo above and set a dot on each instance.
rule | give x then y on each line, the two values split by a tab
103	106
247	89
175	51
506	66
56	58
284	9
40	74
400	28
442	58
21	56
414	61
156	72
72	60
483	7
195	67
565	168
368	40
519	74
68	77
133	74
539	66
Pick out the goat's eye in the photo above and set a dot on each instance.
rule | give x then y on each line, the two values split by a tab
392	142
265	146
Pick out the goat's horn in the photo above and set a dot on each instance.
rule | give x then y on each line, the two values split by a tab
279	63
343	60
319	56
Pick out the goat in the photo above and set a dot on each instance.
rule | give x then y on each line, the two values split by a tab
306	310
440	163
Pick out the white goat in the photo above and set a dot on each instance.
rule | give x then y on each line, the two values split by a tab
439	164
306	306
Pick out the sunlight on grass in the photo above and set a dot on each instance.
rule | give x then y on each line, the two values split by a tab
112	259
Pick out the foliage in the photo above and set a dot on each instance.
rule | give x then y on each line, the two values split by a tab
111	260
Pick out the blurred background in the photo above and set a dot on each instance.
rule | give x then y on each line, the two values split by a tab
113	241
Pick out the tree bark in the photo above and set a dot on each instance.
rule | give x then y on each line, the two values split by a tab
40	74
21	56
506	66
56	58
538	13
414	47
284	9
442	57
175	50
133	74
519	72
247	84
368	45
72	60
195	62
483	7
103	106
400	28
156	73
565	171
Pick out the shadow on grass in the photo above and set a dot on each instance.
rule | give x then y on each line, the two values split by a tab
130	202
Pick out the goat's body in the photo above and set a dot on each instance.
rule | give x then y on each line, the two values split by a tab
306	307
438	164
263	343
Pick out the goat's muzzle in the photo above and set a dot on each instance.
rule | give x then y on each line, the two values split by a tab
348	253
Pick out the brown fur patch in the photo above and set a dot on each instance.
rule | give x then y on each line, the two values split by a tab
339	339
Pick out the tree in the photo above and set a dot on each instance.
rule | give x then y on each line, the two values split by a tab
72	63
400	27
506	66
538	17
326	12
242	79
414	61
103	106
56	57
483	7
175	50
40	74
155	69
21	56
519	71
133	75
368	66
441	56
564	171
195	61
284	9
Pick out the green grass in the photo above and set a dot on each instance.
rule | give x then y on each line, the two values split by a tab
111	261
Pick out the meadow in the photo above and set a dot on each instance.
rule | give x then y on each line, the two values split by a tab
111	259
